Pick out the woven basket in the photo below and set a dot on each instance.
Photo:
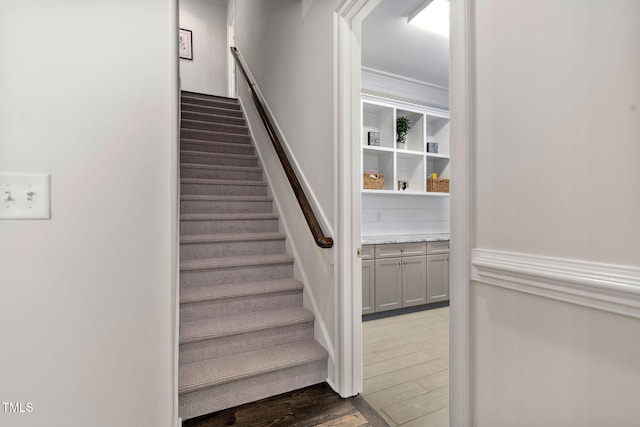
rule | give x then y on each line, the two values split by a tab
438	185
371	183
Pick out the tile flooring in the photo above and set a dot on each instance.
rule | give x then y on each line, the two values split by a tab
406	368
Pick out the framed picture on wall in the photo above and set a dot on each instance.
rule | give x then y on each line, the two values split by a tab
186	46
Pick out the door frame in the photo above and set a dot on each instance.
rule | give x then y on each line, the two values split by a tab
347	26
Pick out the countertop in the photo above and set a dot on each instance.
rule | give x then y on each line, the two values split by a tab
404	238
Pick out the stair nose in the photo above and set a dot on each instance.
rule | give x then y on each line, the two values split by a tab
222	187
208	223
203	272
237	244
227	381
225	204
221	336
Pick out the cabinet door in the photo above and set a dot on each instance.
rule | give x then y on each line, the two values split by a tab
414	281
388	289
368	287
437	278
367	251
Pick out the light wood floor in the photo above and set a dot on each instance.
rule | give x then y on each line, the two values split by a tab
406	368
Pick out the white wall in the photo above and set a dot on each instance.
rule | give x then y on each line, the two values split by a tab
207	72
556	174
398	214
89	95
289	51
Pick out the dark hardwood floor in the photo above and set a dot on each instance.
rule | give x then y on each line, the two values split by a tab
317	405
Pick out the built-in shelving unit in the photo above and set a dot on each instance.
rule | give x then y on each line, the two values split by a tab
411	163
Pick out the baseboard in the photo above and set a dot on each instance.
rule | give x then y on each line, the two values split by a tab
401	311
607	287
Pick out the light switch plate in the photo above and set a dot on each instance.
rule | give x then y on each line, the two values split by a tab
25	195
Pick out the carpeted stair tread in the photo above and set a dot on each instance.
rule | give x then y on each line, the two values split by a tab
227	216
241	129
236	182
224	198
217	327
207	373
225	155
234	290
213	143
213	118
217	136
198	100
233	237
191	94
208	109
251	260
220	167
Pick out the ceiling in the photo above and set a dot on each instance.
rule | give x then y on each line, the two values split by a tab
392	45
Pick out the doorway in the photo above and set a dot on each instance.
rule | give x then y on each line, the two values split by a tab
350	17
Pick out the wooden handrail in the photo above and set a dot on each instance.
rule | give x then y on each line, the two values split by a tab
321	240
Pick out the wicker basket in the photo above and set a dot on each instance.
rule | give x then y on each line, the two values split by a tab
375	182
438	185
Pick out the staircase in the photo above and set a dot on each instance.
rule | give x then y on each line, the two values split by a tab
244	334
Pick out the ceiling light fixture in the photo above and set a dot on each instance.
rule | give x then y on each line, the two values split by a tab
432	15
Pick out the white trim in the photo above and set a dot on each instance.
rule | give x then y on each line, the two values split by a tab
386	74
398	103
232	90
462	124
320	324
174	174
607	287
348	272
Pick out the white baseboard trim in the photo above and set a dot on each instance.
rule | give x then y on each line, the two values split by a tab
608	287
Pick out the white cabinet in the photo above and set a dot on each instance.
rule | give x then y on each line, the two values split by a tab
410	163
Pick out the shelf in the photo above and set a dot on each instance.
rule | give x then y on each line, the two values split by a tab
411	164
376	148
438	156
405	193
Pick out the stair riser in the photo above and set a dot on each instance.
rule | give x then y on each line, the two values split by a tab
228	226
221	174
215	127
203	206
250	162
223	189
248	273
210	110
203	135
228	249
211	118
212	147
239	305
240	343
191	94
211	102
247	390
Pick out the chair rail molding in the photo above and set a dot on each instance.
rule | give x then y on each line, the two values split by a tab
607	287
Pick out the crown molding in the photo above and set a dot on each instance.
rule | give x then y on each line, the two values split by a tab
404	79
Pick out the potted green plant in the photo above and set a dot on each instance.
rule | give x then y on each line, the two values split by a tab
402	128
